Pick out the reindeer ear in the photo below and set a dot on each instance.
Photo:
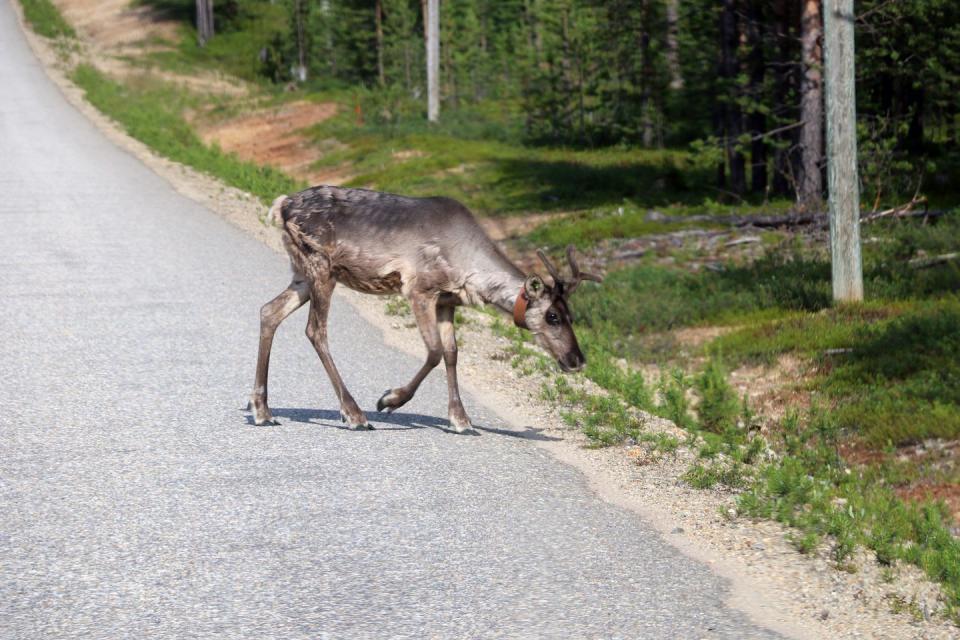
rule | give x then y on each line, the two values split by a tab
534	287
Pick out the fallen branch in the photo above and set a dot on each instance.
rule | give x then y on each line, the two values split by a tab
643	244
926	214
743	240
925	263
902	211
787	220
818	219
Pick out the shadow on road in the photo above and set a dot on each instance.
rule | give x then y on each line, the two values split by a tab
528	433
396	421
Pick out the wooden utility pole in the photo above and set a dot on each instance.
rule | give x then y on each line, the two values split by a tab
842	183
432	26
204	21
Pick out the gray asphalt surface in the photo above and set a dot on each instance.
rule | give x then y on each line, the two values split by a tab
138	501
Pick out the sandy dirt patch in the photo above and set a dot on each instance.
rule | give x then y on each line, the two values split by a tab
115	32
275	136
949	493
114	24
505	228
772	390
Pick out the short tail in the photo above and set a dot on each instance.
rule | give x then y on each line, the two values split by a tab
275	215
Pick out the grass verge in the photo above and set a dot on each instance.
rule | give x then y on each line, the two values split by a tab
46	20
886	376
152	114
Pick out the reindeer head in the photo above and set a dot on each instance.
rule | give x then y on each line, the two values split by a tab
547	313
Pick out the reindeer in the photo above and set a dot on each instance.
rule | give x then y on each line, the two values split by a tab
432	251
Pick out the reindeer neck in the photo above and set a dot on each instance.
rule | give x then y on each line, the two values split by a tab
500	283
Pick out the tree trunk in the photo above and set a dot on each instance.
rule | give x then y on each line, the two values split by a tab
301	72
566	67
447	69
378	13
646	77
917	98
673	48
431	22
537	31
810	191
531	21
717	115
783	80
730	69
757	119
842	151
204	21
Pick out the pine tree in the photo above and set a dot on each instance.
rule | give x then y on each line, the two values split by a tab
204	21
810	190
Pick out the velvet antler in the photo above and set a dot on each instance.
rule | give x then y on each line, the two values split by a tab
578	276
567	286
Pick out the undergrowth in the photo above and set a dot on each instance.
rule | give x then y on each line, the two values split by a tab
813	489
886	373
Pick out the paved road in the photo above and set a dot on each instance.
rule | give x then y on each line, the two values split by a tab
136	501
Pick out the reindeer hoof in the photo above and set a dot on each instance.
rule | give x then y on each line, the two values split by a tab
462	427
356	425
390	401
261	412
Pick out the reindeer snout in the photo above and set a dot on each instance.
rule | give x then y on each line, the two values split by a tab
573	361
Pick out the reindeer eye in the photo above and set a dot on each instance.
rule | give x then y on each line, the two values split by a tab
553	318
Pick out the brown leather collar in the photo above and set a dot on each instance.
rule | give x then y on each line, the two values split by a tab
520	308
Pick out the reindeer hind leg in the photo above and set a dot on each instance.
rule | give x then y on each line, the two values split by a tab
321	292
271	315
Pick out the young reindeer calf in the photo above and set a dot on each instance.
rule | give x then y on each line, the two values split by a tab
433	252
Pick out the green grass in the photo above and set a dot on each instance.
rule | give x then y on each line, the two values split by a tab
152	114
585	228
812	489
777	296
719	407
463	158
887	366
630	220
894	378
46	20
243	30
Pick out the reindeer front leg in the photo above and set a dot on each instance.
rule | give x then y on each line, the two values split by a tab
455	411
424	308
